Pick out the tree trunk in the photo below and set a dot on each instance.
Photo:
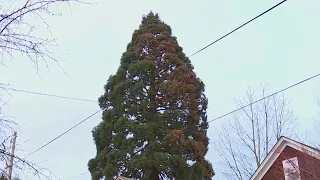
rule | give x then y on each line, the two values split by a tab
154	174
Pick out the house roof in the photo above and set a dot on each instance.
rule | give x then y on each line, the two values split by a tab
276	151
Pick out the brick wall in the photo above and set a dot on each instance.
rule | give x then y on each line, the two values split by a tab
309	166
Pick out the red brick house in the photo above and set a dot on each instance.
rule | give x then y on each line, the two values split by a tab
290	160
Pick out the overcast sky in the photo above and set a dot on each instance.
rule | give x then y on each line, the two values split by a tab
280	49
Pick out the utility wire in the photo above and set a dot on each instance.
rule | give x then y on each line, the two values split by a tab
63	133
79	175
277	92
51	95
67	131
238	28
54	139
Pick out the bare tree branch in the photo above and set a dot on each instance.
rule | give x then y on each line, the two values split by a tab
19	35
26	166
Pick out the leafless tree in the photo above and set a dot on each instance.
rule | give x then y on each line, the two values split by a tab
19	20
245	141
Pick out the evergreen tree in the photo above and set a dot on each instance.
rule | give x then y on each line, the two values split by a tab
154	121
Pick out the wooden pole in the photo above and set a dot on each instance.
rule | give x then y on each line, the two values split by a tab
12	155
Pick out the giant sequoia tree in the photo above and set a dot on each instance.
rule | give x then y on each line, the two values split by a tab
154	121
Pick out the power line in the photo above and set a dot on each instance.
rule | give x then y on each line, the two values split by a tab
79	175
51	95
277	92
63	133
238	28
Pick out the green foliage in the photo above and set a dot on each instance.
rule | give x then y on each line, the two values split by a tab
154	121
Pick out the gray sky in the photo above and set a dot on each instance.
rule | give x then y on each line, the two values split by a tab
279	49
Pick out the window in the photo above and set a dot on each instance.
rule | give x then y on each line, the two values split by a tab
291	169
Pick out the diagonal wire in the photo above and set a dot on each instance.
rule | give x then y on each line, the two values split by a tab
79	175
263	13
64	133
277	92
59	136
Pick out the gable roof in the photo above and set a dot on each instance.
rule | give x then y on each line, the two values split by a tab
276	151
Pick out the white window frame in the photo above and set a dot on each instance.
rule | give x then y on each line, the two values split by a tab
291	167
